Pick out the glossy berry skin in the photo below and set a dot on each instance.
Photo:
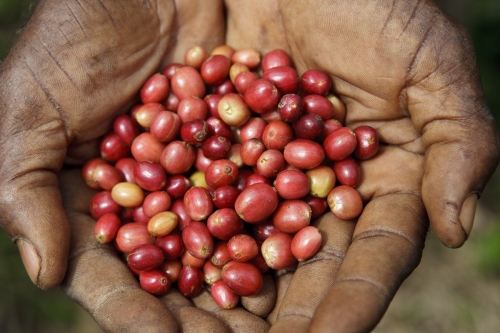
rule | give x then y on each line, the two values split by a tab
190	281
242	278
198	203
306	243
145	257
102	203
256	203
347	171
292	184
155	282
262	96
150	176
285	78
216	147
304	154
314	81
106	228
242	248
290	107
277	252
155	89
113	148
340	144
367	142
223	296
198	240
225	223
345	202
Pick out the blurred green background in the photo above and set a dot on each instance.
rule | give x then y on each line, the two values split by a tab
451	290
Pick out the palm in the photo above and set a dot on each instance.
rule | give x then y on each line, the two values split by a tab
406	70
400	67
377	77
122	56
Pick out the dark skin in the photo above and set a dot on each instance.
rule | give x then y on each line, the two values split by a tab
402	67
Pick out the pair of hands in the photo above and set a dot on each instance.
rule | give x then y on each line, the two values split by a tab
401	67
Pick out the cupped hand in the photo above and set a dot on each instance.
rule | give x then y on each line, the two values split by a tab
74	68
99	280
409	71
401	67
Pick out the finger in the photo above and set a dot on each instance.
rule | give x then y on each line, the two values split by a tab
255	24
314	277
72	56
387	243
238	319
54	90
97	278
447	105
189	318
386	247
262	303
30	202
196	23
282	281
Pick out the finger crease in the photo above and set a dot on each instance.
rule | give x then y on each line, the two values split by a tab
49	96
399	192
291	313
107	294
384	232
175	307
364	279
421	48
325	254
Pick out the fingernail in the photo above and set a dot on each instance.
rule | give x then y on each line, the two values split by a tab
468	212
31	259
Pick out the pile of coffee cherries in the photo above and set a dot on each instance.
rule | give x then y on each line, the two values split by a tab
213	178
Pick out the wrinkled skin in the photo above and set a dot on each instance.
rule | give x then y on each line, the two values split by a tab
400	66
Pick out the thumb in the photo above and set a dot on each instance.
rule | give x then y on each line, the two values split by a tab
64	78
32	149
455	175
30	203
447	105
